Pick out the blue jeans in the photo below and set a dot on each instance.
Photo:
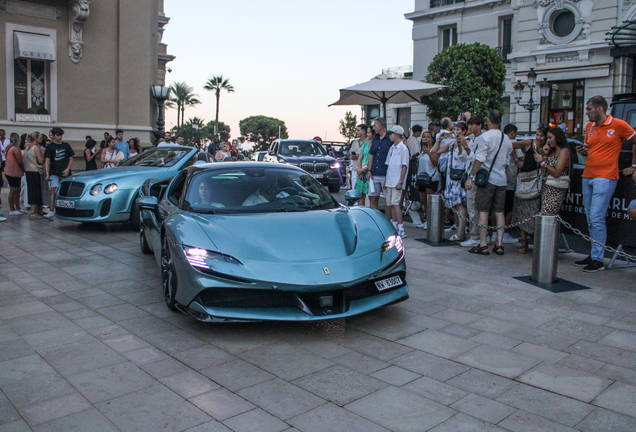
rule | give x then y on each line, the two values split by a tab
597	193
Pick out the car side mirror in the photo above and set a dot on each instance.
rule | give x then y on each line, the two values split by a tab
148	203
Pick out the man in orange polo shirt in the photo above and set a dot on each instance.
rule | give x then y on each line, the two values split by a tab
604	137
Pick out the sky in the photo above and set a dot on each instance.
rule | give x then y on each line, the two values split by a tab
285	58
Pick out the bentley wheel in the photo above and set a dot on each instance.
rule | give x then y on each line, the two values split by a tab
143	242
168	276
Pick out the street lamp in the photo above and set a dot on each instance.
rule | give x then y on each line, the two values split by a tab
531	105
160	93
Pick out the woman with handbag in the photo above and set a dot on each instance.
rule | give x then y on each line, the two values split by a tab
555	164
362	184
528	192
427	180
455	194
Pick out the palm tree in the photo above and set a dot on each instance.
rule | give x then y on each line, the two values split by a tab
181	96
216	84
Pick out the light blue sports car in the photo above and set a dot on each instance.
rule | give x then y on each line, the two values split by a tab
108	195
247	241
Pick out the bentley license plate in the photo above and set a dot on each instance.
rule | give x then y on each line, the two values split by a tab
388	283
65	204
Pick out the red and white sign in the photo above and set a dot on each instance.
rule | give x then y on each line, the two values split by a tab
317	138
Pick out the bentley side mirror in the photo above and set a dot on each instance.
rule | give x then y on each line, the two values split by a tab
148	203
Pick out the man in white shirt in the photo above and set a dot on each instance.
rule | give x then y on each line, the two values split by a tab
354	154
414	143
491	155
446	126
267	192
397	162
475	125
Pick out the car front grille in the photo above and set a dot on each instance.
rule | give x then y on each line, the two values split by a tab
65	212
321	168
309	167
71	189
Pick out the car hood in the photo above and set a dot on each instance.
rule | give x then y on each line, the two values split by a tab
114	174
307	159
293	237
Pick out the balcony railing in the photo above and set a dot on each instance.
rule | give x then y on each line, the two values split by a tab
440	3
504	51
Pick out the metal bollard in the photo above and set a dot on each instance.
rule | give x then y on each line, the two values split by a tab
435	219
546	249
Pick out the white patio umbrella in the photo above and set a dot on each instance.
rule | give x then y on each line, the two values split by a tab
385	89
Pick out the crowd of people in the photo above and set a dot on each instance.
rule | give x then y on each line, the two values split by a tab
489	178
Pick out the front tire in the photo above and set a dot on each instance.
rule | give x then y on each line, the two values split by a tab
143	242
168	276
135	215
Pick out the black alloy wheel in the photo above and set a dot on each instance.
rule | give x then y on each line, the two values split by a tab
135	214
143	242
168	276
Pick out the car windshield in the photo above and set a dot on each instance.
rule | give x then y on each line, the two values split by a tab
301	148
162	157
255	190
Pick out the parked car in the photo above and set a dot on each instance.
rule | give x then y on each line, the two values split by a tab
339	150
259	156
309	155
234	242
108	195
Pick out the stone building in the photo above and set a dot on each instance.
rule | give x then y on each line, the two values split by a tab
83	65
565	41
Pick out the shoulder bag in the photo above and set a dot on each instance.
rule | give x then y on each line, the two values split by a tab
563	182
482	176
528	185
455	174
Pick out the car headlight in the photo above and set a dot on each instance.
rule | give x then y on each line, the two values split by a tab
110	188
204	259
393	241
96	189
336	165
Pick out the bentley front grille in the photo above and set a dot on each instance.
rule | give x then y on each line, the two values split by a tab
71	189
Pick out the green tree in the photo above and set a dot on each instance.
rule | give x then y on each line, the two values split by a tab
216	84
223	130
474	75
196	129
348	126
262	130
182	97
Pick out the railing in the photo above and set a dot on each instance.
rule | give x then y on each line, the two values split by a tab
504	51
439	3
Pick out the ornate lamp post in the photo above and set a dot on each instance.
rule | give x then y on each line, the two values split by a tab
531	105
160	93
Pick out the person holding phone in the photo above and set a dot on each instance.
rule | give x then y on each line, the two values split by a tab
354	154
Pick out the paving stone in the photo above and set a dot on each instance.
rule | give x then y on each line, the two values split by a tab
602	420
329	417
627	376
457	316
339	385
221	404
165	367
465	423
281	398
121	312
483	408
173	342
619	397
436	391
400	410
81	357
542	353
545	338
620	339
578	329
438	343
152	409
8	413
461	331
204	356
522	421
54	408
555	407
603	353
495	340
256	420
430	366
361	363
372	346
15	426
211	426
285	361
189	384
464	303
395	375
482	383
497	361
237	374
38	322
581	363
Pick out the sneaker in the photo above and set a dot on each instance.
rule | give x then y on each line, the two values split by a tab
424	225
49	215
2	218
451	228
15	213
594	267
587	261
402	234
470	243
24	211
421	225
507	238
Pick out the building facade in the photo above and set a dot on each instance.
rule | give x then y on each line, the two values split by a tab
564	41
83	65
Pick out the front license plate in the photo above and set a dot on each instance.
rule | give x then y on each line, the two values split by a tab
388	283
65	204
317	176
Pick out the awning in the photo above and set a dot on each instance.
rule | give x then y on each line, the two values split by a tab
622	38
33	46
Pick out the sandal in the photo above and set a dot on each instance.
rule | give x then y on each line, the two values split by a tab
523	247
479	250
499	250
456	238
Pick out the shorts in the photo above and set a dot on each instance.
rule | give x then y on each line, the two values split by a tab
14	182
393	196
510	201
378	182
434	187
55	181
491	198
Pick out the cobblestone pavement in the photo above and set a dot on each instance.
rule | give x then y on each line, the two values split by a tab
86	344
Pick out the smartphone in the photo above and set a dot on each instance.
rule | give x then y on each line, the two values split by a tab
448	135
519	152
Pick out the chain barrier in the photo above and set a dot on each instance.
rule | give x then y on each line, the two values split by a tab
597	243
494	228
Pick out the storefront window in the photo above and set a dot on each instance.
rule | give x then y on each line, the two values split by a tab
31	86
564	107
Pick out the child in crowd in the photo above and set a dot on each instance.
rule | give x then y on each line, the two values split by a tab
397	163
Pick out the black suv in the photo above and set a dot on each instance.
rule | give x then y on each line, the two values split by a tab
309	155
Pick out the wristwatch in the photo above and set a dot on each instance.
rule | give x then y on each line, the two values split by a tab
472	177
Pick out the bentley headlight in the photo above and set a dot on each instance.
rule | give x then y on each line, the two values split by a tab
204	259
96	189
393	241
110	188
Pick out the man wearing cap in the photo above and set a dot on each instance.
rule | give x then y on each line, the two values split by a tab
397	162
377	161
